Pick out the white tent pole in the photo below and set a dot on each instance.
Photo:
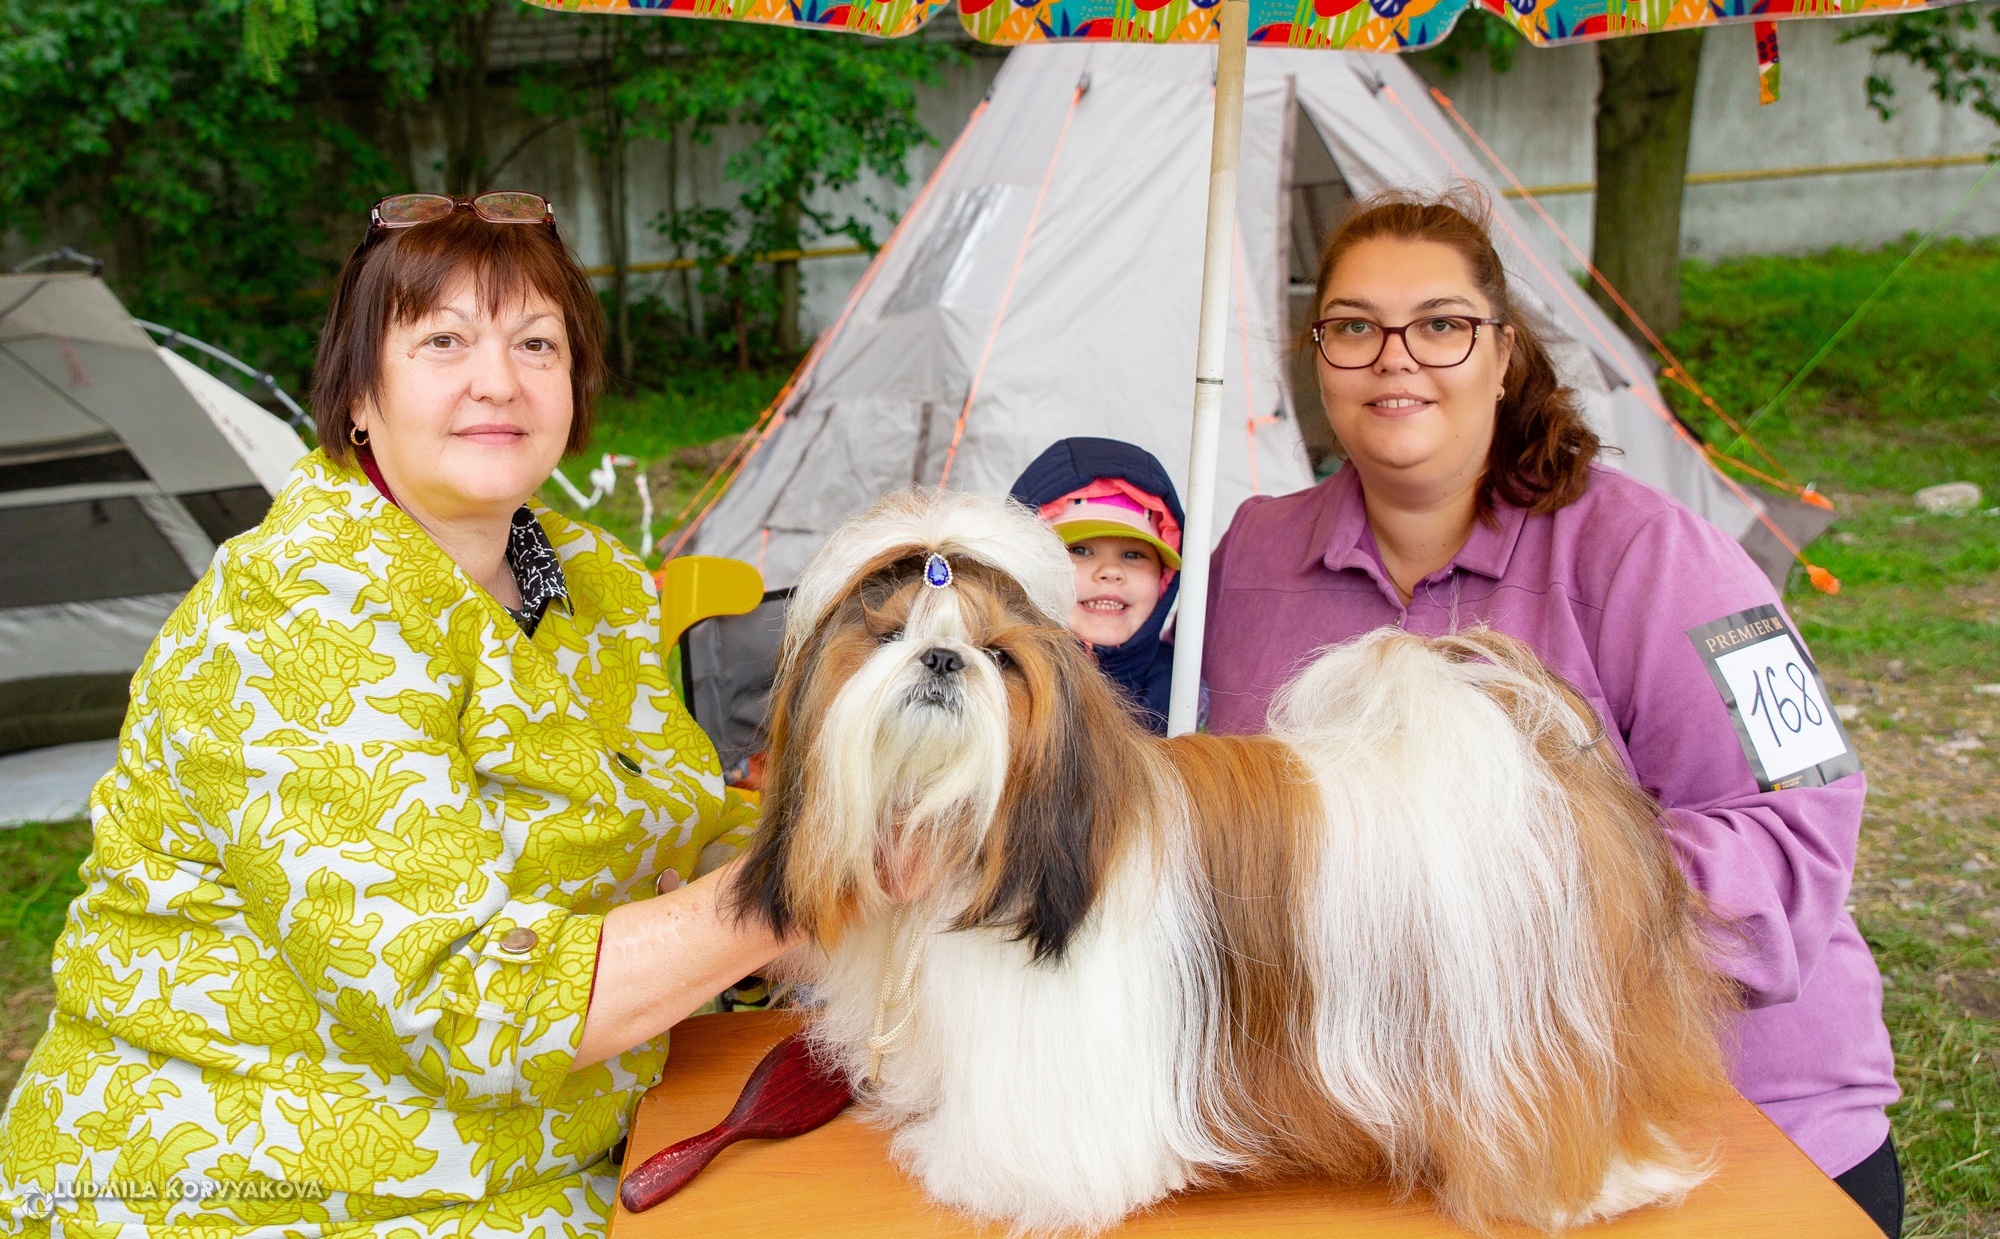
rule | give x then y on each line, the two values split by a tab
1234	23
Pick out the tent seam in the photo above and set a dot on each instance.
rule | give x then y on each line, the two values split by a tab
1007	295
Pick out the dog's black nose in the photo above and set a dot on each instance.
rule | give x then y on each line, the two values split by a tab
941	661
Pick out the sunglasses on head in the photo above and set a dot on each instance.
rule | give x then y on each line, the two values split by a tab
502	206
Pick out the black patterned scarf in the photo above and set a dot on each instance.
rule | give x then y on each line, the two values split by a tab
537	570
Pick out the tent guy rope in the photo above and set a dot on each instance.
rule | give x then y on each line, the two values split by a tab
1013	277
1676	370
1867	303
1251	421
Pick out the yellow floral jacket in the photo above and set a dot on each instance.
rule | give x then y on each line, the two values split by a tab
343	905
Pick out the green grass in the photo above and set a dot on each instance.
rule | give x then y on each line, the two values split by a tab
1910	399
1942	1055
37	881
679	432
693	409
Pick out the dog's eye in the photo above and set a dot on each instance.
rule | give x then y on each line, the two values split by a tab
887	637
999	657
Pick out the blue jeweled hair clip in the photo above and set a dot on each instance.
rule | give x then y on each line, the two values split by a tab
937	571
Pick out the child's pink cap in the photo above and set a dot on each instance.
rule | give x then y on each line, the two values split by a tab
1114	508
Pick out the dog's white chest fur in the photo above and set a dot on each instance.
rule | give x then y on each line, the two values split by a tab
1045	1093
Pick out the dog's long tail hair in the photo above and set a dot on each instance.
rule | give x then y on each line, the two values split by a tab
1515	1001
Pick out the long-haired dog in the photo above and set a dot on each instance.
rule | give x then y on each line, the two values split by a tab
1425	932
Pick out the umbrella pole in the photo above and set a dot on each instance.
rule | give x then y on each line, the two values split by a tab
1234	23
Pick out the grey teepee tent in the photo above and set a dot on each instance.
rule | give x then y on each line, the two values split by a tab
1045	283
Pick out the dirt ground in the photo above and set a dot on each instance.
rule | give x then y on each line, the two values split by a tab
1931	749
1927	896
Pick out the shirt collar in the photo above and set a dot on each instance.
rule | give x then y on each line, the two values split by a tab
1491	547
1342	519
1338	539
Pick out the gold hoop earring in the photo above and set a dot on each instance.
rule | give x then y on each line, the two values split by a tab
357	436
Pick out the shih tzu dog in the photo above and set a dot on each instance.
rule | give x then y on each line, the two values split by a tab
1425	932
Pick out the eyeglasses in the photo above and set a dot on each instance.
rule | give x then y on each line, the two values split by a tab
1437	342
502	206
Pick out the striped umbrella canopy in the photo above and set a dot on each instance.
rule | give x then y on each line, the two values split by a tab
1356	25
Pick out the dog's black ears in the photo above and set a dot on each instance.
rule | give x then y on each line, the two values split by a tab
759	891
1072	778
763	889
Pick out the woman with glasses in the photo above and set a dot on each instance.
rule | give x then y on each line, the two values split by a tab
393	891
1470	494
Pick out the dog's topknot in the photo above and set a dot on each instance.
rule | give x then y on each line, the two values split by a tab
922	521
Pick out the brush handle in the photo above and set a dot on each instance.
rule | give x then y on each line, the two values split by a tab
787	1095
671	1169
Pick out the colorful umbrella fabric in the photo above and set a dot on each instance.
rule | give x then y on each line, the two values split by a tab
1358	25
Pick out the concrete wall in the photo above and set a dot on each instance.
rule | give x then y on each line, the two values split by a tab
1538	119
557	166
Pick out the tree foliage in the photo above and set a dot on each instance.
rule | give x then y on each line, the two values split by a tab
1477	35
825	109
222	161
139	130
1949	44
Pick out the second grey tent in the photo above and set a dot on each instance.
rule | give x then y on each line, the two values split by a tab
122	467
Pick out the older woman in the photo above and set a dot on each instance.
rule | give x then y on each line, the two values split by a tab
370	941
1470	496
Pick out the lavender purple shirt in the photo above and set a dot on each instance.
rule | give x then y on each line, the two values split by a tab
1605	591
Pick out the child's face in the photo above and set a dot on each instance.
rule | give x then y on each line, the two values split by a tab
1117	587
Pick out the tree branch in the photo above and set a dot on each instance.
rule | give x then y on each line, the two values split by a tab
522	145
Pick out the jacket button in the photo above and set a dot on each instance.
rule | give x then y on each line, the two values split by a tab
519	941
625	763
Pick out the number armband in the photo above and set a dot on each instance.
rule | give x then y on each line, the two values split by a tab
1777	700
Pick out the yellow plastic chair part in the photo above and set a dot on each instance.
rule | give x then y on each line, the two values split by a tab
695	587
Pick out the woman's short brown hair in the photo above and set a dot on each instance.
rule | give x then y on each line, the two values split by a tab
1542	448
403	274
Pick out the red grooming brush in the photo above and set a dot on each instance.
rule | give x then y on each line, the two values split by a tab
787	1095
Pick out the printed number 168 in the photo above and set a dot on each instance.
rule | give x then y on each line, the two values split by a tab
1793	714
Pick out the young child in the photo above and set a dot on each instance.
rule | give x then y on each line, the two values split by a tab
1116	508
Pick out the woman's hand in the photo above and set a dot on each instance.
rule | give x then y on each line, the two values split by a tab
662	958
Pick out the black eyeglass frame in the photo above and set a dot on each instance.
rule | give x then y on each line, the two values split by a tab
376	224
1319	338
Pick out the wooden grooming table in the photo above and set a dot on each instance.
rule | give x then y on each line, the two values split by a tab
838	1181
